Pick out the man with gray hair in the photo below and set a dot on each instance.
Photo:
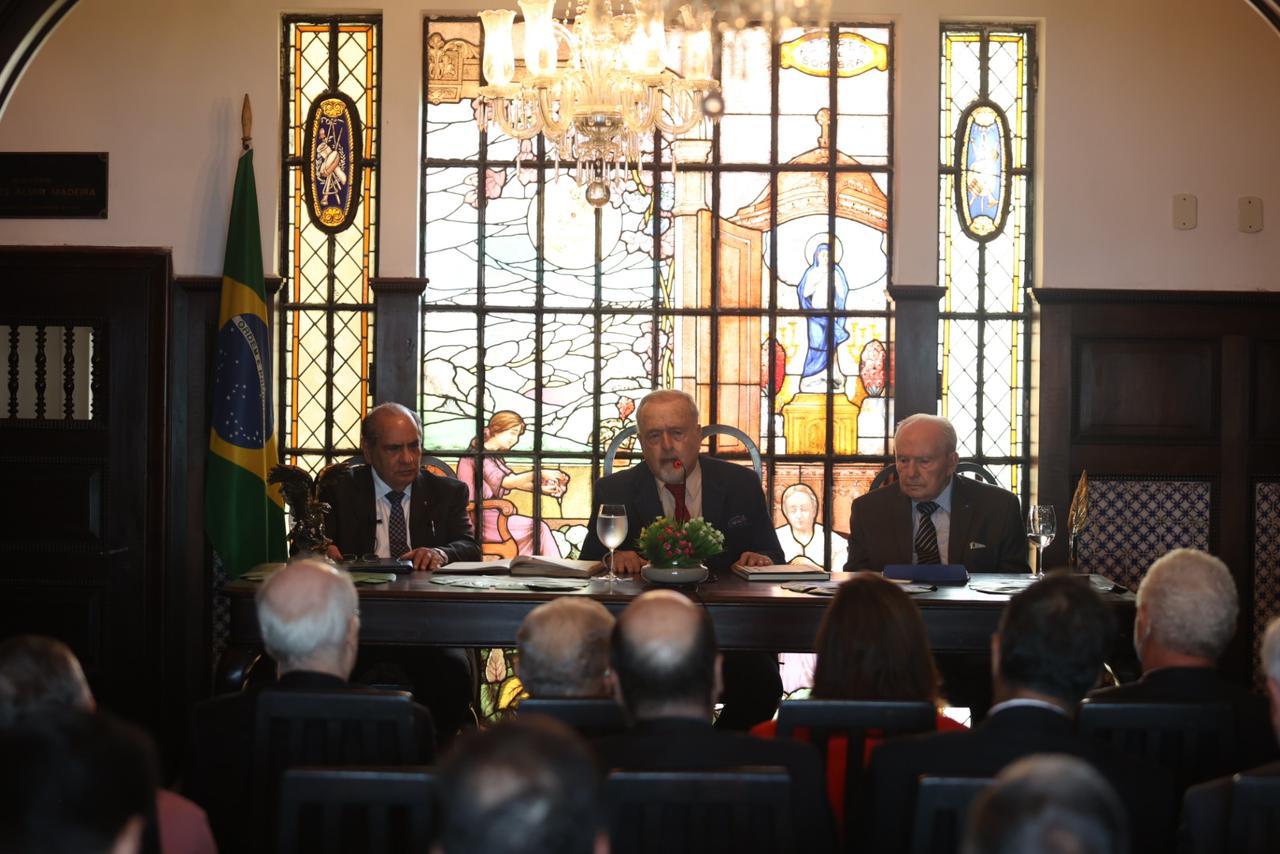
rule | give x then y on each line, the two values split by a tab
1207	807
564	649
931	516
1186	616
1050	803
309	617
675	480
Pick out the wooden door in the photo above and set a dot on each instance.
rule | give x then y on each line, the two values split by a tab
82	454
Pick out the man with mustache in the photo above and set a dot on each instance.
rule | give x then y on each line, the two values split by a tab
931	516
676	481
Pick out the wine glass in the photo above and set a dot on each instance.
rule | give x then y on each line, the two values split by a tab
611	528
1042	524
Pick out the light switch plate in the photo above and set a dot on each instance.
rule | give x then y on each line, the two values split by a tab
1184	211
1250	214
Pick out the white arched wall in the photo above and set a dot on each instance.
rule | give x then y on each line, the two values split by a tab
1140	100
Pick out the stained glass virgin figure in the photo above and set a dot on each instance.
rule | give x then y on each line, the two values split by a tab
812	293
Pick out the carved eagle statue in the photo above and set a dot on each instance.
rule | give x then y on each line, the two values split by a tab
302	495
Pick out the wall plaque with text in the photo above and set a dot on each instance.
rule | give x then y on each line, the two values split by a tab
53	185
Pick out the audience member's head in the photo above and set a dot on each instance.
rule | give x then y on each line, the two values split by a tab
1048	804
74	783
1052	640
309	617
872	645
1271	669
1187	611
528	785
665	660
40	673
564	648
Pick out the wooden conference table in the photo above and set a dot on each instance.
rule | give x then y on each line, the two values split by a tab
747	615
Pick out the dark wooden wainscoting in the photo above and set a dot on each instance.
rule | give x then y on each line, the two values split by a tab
1171	401
82	437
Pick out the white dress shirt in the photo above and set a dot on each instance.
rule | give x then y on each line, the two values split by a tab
381	506
692	495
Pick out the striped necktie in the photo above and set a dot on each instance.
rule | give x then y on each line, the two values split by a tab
926	543
397	536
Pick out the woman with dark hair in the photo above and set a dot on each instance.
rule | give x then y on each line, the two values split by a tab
871	645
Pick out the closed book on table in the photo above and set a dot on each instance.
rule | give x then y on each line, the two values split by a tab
782	572
547	567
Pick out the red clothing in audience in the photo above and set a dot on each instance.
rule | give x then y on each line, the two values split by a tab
184	827
836	749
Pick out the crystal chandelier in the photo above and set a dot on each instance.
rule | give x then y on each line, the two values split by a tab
601	107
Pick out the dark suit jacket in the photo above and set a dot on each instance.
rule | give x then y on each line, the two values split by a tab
1255	739
437	514
880	529
1002	738
1206	813
676	744
219	768
731	501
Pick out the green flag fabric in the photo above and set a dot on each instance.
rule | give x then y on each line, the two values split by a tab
243	515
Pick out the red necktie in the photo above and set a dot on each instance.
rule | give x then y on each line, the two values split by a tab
682	510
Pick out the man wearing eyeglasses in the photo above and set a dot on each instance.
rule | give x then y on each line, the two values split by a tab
676	481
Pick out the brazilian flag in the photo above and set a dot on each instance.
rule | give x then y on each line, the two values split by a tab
243	515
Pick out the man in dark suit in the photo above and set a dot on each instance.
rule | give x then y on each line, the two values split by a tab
728	496
1046	654
391	507
667	673
1186	616
310	622
1206	810
931	516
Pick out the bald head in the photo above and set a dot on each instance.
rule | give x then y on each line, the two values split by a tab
309	618
664	654
564	648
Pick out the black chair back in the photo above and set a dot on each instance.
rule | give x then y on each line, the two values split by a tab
853	719
942	812
1255	814
732	810
592	717
368	810
1194	742
889	474
293	728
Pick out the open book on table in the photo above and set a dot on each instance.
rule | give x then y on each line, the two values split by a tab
782	572
552	567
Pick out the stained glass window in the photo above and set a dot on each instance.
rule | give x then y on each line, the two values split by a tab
328	232
984	200
546	320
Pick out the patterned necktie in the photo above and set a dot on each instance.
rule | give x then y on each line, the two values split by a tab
397	539
682	510
926	543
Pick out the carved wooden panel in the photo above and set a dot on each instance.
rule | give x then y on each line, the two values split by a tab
62	506
1266	390
1152	389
